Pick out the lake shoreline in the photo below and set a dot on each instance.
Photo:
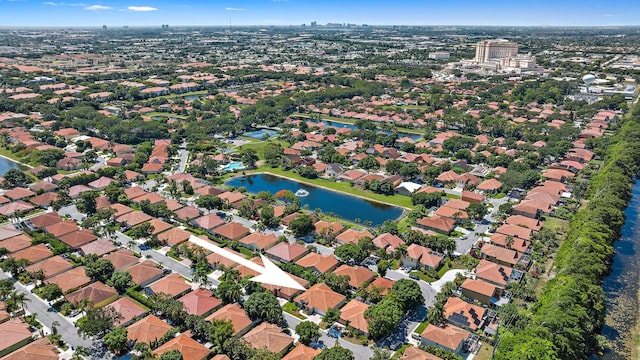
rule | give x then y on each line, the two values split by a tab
19	163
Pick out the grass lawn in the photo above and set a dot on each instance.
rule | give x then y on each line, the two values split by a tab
446	267
484	353
293	309
401	351
170	96
398	200
451	196
259	145
14	156
421	327
423	277
166	115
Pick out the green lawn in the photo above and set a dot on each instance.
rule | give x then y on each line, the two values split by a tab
397	200
292	309
421	327
165	114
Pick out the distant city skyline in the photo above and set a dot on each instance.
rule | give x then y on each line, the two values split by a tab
296	12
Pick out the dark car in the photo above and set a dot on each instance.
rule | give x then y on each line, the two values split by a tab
414	276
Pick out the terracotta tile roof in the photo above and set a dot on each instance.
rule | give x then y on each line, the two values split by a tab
302	352
153	198
352	236
134	218
128	308
98	247
490	185
358	275
494	273
174	236
144	272
159	226
96	292
472	313
122	258
189	213
8	231
235	314
45	199
40	349
70	280
270	336
78	238
134	192
120	210
172	285
320	263
216	260
500	254
533	224
33	254
51	266
62	228
518	245
387	241
208	222
173	205
15	243
515	231
285	292
321	297
200	302
287	251
101	183
457	204
189	348
324	227
449	336
14	207
414	353
451	213
232	197
479	286
259	240
18	193
232	231
45	220
147	329
443	224
353	314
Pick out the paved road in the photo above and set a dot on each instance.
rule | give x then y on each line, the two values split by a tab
184	156
359	352
39	307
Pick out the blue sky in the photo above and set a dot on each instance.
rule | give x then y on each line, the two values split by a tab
286	12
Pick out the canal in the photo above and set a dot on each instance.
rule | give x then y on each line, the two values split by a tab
345	206
621	286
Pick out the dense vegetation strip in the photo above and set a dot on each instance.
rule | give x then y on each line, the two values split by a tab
566	320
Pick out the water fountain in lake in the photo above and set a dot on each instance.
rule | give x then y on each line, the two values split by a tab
302	193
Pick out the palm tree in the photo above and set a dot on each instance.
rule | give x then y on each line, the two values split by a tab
435	315
54	327
85	304
509	241
18	299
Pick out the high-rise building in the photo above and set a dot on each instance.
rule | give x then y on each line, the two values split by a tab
488	50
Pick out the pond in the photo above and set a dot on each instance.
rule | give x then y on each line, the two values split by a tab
6	165
401	134
345	206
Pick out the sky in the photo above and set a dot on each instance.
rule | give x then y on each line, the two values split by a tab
296	12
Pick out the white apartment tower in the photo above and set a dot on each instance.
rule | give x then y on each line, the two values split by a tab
488	50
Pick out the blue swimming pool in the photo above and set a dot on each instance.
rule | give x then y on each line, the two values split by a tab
233	166
261	134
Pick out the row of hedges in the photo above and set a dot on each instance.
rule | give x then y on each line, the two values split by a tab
566	320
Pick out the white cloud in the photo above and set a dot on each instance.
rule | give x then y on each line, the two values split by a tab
141	8
98	7
52	3
234	9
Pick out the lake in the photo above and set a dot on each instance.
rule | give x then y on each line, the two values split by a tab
345	206
621	286
6	165
413	136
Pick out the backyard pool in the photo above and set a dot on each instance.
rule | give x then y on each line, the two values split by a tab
233	166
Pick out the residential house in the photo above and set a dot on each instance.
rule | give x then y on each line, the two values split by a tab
144	273
387	241
129	309
50	267
147	330
41	349
352	314
258	241
71	280
461	313
438	224
419	257
189	348
269	336
98	293
172	285
16	333
287	252
358	275
232	231
319	298
353	236
485	293
318	263
302	352
200	302
234	313
449	337
497	274
415	353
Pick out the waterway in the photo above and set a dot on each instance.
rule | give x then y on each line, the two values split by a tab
6	165
622	285
345	206
413	136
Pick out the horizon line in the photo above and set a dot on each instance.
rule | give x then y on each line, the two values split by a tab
333	25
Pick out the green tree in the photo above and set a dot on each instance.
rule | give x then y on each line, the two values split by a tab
273	154
369	163
171	355
229	291
302	225
384	317
14	177
99	321
408	293
209	202
267	216
338	283
332	315
263	305
49	292
308	331
98	269
308	172
477	210
249	157
350	251
116	339
121	281
335	353
141	231
381	353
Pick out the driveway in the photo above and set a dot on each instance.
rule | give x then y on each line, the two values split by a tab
40	308
360	352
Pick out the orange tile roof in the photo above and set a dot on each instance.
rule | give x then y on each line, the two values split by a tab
13	332
353	236
189	348
259	240
122	258
321	263
321	297
208	222
235	314
270	336
15	243
287	251
414	353
76	239
62	228
171	285
98	247
96	292
358	275
200	302
148	329
51	266
33	253
472	313
128	308
175	236
449	336
40	349
70	280
353	314
159	226
45	219
232	231
302	352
